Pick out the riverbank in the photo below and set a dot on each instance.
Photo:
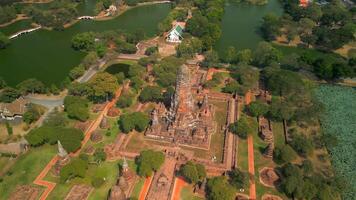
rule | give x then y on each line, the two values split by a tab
18	18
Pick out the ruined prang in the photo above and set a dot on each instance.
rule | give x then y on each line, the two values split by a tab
268	152
61	151
188	121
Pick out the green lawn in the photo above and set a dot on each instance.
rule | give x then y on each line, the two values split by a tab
286	50
260	162
187	194
137	189
26	168
278	133
242	155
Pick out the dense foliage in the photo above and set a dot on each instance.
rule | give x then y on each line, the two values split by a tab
219	189
76	168
137	120
149	161
4	41
59	13
70	138
76	107
193	172
7	13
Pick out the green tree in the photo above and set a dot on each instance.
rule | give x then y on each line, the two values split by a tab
247	77
257	108
9	129
32	114
244	56
76	72
84	41
77	107
239	179
9	94
284	154
230	55
90	59
103	86
4	41
193	172
211	59
2	83
137	120
149	161
31	86
151	93
220	189
270	26
243	127
302	145
125	100
76	168
265	54
99	155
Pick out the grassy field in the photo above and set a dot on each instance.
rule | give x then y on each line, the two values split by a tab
278	134
107	170
261	162
137	189
187	194
26	169
286	50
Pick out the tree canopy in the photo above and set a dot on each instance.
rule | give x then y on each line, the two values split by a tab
149	161
136	120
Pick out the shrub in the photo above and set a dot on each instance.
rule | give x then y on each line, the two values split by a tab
97	182
9	128
151	50
76	168
302	145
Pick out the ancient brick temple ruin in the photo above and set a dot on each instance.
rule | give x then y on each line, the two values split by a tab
188	121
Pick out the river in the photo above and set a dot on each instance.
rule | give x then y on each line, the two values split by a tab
241	23
48	56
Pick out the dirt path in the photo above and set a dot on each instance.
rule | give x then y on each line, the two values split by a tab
179	184
145	188
50	185
251	167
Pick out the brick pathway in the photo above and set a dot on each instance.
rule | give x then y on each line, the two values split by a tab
179	184
251	167
50	185
145	188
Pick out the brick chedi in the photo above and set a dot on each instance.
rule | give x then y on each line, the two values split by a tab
188	121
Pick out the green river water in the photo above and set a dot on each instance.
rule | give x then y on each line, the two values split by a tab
241	22
48	56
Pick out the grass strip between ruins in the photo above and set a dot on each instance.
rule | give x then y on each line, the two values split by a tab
26	168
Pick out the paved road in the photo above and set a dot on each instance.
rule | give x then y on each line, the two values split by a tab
48	103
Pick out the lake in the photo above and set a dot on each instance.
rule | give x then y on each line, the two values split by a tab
48	56
241	23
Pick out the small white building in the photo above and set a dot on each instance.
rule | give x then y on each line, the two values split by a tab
175	35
